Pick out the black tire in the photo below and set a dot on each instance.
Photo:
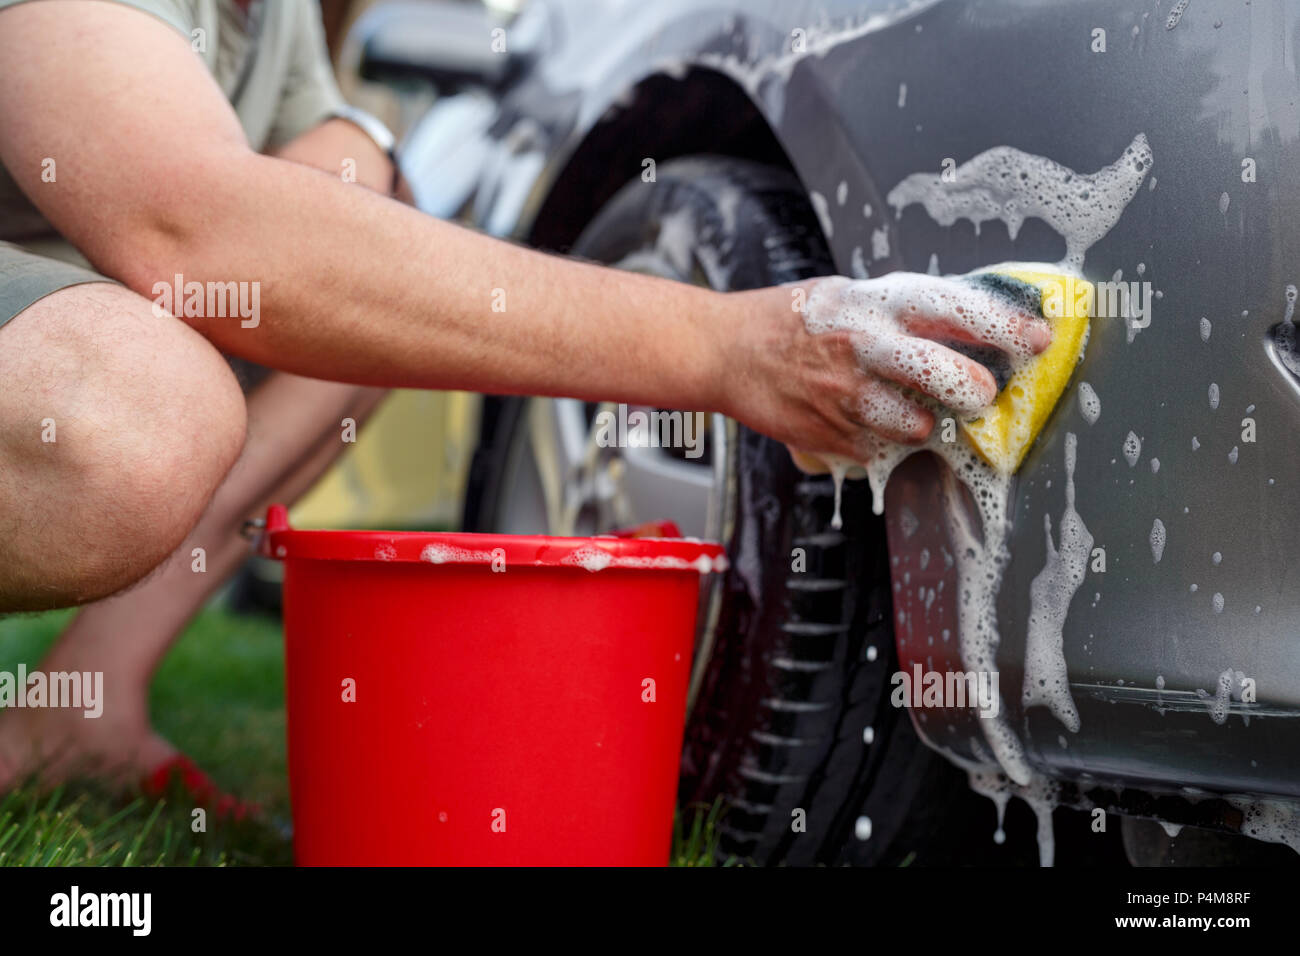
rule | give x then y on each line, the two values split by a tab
791	685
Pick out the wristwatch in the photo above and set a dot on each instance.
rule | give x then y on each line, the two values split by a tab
379	134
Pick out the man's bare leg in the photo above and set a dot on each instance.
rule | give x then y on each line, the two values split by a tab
294	433
116	428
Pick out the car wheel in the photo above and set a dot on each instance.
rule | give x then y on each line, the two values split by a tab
790	722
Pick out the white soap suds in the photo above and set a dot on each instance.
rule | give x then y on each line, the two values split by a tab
1155	465
445	553
1285	338
880	243
1270	820
1157	538
1232	455
1132	449
1047	681
823	212
593	559
1214	395
1009	185
1175	14
1089	403
589	559
858	264
1227	689
1205	329
1041	794
839	468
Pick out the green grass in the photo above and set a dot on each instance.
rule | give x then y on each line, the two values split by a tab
219	696
698	845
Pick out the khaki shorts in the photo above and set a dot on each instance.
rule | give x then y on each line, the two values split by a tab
26	277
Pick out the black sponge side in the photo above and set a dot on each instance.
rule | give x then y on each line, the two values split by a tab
1017	291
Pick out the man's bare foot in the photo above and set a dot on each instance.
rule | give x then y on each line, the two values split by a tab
56	745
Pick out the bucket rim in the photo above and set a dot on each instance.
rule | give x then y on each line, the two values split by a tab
592	553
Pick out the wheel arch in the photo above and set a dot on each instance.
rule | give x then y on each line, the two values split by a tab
661	117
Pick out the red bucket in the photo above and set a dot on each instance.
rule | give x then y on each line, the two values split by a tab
474	699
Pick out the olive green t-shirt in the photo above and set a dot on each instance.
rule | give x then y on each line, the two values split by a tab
271	63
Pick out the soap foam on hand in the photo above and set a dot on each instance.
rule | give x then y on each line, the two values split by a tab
960	347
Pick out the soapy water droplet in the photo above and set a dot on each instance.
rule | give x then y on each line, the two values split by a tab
858	264
1223	203
1196	443
1176	13
1158	538
1232	456
822	209
1132	449
1160	682
1089	403
1155	465
1217	557
1214	396
1193	589
1205	329
868	734
1217	601
880	243
862	828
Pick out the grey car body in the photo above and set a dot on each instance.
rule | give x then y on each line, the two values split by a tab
861	95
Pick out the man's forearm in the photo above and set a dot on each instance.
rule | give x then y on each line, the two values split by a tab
157	180
355	287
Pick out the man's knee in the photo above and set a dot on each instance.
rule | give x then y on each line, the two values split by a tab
127	426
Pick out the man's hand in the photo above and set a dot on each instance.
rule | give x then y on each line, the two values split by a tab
825	376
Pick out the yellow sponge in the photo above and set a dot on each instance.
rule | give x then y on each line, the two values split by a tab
1010	425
